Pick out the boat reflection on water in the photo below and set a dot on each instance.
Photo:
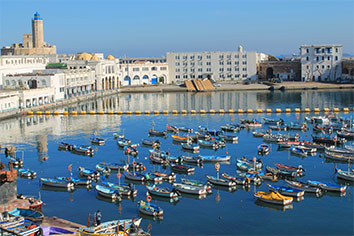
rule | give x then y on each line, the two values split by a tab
335	194
273	206
173	201
224	188
157	219
194	196
298	199
55	189
109	200
314	195
128	181
345	182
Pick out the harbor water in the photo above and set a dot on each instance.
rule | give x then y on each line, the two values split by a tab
223	212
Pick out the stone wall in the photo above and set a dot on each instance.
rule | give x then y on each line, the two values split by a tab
8	192
271	69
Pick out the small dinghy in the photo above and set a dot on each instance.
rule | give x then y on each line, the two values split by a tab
124	189
155	144
35	203
157	133
185	129
153	178
149	209
83	150
190	147
158	160
258	134
103	169
299	170
124	143
282	173
345	175
258	163
57	183
222	158
134	176
116	135
28	214
298	151
97	141
27	173
273	197
15	161
115	227
139	166
208	144
192	160
108	192
182	168
327	186
84	172
221	182
65	146
179	139
171	128
286	191
197	183
20	227
162	192
131	150
236	179
286	144
115	166
228	138
76	181
263	149
303	186
190	189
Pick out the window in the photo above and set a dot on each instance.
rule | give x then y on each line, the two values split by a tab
317	50
7	82
191	57
208	69
228	69
177	57
208	57
135	69
199	57
153	68
237	62
228	63
13	83
192	70
228	56
184	63
244	69
329	50
323	58
145	69
200	63
244	75
229	76
237	76
177	76
244	62
208	63
328	67
323	66
307	50
237	56
177	70
336	58
177	63
184	57
328	58
307	58
163	68
244	56
323	50
221	56
192	63
185	69
221	69
200	69
221	63
336	50
317	58
126	69
62	89
237	69
185	76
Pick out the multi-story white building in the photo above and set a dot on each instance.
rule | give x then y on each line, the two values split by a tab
235	65
143	71
321	62
22	64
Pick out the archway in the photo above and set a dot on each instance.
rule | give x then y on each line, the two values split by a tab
269	73
103	84
163	79
127	80
107	86
110	83
154	79
145	78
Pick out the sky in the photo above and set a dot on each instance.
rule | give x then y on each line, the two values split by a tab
149	28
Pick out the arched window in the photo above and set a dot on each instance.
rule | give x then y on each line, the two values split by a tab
136	77
7	82
145	77
44	82
13	83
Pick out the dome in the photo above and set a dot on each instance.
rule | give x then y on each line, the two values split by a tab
94	58
110	57
84	56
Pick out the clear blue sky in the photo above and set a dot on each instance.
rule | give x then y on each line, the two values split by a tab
153	27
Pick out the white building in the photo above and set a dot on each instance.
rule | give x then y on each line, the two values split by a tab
143	71
9	101
321	62
235	65
22	64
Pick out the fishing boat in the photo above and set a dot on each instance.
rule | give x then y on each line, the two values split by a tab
298	151
162	192
117	135
192	160
166	177
222	158
189	189
221	182
349	148
76	181
51	230
334	150
299	170
308	150
182	168
185	129
251	123
115	166
28	214
197	183
115	227
339	157
153	132
328	141
138	167
190	147
281	173
103	169
83	150
171	128
123	143
296	126
286	191
97	141
244	167
258	134
327	186
65	146
84	172
208	144
131	150
158	160
57	183
258	164
20	227
238	180
319	147
35	203
273	121
124	140
345	134
273	197
134	176
15	161
303	186
179	139
263	149
155	144
228	138
108	192
27	173
273	138
230	128
153	178
277	127
253	177
149	209
124	189
268	176
345	175
287	144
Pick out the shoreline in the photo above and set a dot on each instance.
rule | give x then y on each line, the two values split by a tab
225	86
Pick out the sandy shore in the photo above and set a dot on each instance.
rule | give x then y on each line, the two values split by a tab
229	86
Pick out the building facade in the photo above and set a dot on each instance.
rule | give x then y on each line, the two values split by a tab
32	43
235	65
348	69
321	62
289	70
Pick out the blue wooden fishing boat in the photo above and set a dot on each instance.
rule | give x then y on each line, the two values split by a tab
28	214
253	177
115	166
303	186
57	183
263	149
152	177
134	176
65	146
20	227
208	144
258	164
221	182
327	186
182	168
287	191
237	179
97	141
215	158
15	161
162	192
26	173
149	209
124	189
108	192
88	173
228	138
76	181
298	151
123	143
192	160
103	169
83	150
190	147
197	183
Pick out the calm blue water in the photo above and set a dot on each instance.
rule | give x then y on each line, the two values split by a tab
220	213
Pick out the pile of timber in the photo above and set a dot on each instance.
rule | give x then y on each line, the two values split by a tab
198	85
